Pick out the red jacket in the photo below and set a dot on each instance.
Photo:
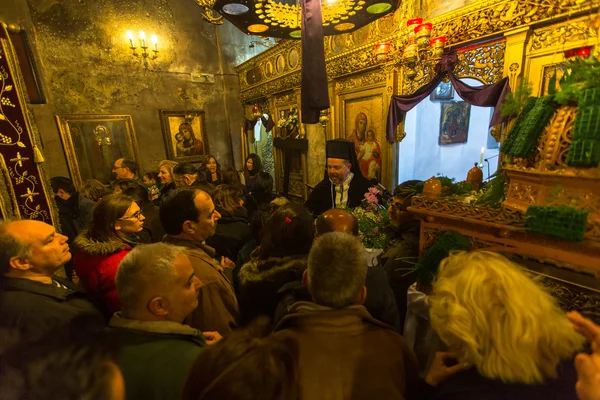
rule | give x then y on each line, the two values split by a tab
96	265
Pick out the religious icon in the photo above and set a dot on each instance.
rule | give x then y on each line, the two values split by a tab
364	124
279	64
184	134
454	123
443	91
92	143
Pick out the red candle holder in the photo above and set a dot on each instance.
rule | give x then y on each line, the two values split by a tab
579	52
411	23
437	44
423	33
381	51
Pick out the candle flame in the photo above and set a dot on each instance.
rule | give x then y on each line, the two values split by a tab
129	35
142	35
482	150
154	39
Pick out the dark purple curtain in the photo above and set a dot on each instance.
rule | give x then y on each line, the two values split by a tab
482	96
268	123
314	96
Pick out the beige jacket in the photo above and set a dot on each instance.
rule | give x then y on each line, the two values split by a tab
217	305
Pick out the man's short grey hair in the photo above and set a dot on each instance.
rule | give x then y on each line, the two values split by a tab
337	269
11	247
144	266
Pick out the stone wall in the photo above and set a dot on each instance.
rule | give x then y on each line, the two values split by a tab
87	68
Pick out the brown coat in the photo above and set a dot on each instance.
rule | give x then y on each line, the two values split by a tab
348	355
217	305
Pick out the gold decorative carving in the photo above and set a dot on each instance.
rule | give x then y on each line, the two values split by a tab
400	133
448	207
486	63
571	297
359	61
286	98
286	83
523	193
209	14
571	32
496	132
367	79
556	138
478	21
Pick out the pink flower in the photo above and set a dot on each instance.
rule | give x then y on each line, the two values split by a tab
374	191
371	198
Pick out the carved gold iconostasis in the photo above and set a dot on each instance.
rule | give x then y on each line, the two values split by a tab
493	39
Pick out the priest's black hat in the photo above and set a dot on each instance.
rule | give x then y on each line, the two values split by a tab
343	149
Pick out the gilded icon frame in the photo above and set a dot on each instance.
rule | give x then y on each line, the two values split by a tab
86	136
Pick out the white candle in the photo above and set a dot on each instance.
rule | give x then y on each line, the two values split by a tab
481	156
143	38
130	37
155	42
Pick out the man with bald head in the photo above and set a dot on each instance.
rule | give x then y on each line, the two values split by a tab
31	297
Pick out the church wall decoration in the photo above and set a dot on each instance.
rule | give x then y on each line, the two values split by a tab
93	142
184	133
24	189
454	122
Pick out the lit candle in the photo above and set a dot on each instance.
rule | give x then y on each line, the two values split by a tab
143	38
130	36
481	156
155	42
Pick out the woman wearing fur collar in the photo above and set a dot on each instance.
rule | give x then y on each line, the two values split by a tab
281	259
115	221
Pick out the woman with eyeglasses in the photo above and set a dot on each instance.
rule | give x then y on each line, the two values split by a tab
116	220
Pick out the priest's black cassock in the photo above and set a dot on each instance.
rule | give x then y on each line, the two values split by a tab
323	197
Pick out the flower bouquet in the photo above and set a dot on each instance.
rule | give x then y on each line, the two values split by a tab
373	221
292	119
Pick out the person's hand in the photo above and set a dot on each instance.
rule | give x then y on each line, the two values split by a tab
227	263
587	365
439	372
212	337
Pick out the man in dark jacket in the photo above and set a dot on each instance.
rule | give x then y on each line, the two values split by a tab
74	211
343	185
157	289
344	353
380	302
31	297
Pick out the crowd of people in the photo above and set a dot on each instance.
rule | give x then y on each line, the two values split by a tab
200	283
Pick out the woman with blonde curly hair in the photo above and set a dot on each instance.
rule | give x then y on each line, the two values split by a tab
495	318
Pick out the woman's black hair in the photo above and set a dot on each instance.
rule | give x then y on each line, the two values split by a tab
256	164
263	187
289	231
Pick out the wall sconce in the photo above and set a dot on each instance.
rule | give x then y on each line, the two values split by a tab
381	51
145	55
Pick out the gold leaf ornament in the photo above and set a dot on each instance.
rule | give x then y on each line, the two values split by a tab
2	117
20	144
8	88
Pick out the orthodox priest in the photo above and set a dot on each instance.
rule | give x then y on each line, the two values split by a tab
344	185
